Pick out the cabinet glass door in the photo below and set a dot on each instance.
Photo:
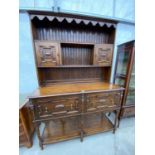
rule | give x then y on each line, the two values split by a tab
131	91
122	65
120	81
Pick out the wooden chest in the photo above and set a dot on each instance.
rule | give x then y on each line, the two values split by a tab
26	127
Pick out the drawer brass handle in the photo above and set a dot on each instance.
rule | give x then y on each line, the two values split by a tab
47	53
102	100
102	106
59	106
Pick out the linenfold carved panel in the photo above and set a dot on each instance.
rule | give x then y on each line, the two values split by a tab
103	54
48	54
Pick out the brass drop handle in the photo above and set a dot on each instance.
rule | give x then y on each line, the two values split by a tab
59	106
102	100
47	53
101	106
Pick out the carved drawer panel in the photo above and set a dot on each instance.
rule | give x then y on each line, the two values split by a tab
57	106
47	53
98	101
103	54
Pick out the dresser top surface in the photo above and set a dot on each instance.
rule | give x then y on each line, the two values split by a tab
66	89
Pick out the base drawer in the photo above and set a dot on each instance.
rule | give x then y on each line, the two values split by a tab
56	106
98	101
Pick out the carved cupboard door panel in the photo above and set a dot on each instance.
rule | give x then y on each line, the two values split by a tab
47	53
103	54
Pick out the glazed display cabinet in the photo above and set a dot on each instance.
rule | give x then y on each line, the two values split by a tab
125	77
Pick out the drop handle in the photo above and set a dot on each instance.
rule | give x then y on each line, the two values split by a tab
59	106
102	100
47	53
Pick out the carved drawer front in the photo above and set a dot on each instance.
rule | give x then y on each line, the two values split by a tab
57	106
47	53
98	101
103	54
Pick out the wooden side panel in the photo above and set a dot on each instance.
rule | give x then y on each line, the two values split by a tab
103	54
47	54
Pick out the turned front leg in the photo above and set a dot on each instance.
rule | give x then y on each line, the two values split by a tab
39	136
116	120
81	129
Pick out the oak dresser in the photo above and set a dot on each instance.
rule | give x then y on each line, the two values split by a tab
73	56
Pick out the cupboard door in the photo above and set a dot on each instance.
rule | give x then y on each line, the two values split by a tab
103	54
122	62
47	53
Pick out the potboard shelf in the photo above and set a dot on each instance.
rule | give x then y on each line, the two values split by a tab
56	131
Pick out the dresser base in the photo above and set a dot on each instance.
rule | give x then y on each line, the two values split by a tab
69	128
